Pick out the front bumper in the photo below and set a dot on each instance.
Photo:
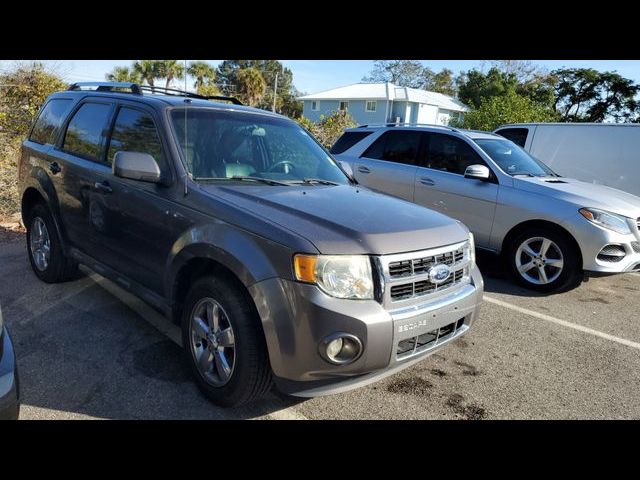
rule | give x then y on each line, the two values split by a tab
9	390
592	239
297	317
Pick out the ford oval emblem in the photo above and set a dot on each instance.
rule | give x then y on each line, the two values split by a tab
439	273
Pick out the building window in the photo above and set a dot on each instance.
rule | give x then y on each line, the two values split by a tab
344	106
315	105
371	106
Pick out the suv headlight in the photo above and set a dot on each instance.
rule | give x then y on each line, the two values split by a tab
614	222
342	276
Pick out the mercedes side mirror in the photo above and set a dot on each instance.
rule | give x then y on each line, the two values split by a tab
479	172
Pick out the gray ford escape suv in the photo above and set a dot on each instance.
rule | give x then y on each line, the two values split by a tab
237	224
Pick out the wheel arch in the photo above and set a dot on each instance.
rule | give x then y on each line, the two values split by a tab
544	224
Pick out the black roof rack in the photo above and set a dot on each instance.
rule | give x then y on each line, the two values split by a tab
136	89
407	124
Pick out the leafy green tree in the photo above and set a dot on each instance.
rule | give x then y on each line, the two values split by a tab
287	101
148	70
441	82
509	107
170	70
203	73
404	73
329	128
586	95
124	74
23	90
251	86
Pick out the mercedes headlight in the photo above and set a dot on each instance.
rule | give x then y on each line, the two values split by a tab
611	221
341	276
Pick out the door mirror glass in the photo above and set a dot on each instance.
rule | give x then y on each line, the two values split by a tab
136	166
479	172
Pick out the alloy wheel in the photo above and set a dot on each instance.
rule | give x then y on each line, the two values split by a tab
40	244
212	342
539	260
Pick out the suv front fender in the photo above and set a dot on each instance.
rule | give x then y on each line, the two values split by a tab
249	257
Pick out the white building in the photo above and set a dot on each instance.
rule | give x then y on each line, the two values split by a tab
383	103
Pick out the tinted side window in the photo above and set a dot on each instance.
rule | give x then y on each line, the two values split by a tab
135	131
516	135
50	120
84	133
396	146
348	140
450	154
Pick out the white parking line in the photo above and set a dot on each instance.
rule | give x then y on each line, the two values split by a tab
564	323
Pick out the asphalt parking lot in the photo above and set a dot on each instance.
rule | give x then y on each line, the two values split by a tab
86	349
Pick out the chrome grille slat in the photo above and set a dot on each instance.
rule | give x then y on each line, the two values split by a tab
405	280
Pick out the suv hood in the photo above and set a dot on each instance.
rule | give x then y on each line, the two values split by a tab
346	219
583	194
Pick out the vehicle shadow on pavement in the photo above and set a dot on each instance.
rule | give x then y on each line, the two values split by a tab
83	353
498	280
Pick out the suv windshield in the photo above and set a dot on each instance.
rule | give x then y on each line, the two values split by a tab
512	159
222	145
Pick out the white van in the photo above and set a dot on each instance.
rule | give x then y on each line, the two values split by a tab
603	153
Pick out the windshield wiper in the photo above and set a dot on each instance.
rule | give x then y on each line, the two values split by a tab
241	178
524	174
319	180
268	181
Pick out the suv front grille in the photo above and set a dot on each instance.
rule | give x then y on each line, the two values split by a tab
423	287
406	268
635	246
418	344
407	275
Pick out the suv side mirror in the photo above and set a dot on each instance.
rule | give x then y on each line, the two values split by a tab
479	172
136	166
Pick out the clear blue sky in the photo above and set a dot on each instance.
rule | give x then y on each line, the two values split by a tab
311	76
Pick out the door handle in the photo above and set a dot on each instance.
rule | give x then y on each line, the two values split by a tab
103	187
54	167
427	181
363	169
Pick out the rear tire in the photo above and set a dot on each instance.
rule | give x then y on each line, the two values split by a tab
45	248
224	343
544	260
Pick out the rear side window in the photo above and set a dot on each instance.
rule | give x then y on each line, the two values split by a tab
348	140
516	135
399	146
135	131
84	135
450	154
50	120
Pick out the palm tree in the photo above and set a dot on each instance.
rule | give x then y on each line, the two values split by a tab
171	69
251	85
124	74
148	70
204	74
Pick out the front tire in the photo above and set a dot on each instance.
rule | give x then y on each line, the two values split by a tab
224	344
544	260
45	248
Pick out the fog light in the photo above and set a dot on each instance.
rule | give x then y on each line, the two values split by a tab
334	348
340	348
